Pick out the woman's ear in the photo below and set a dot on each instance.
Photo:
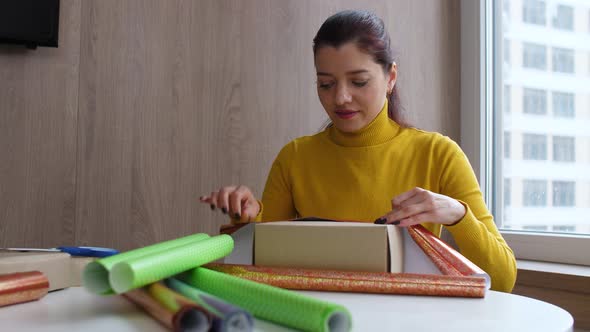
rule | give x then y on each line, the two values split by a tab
392	77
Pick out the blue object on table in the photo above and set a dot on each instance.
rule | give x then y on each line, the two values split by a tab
89	251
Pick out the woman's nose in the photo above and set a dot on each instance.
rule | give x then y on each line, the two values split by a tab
343	95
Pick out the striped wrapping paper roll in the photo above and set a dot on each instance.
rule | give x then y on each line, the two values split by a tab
271	303
96	274
359	282
226	317
22	287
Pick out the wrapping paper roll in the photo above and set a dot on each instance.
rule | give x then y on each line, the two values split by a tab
359	282
447	259
142	299
187	315
96	274
271	303
226	317
22	287
143	270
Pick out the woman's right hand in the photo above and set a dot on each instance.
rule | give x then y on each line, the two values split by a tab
238	201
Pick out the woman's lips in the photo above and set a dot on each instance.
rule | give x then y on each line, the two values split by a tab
345	114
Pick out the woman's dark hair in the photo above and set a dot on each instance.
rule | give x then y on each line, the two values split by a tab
368	32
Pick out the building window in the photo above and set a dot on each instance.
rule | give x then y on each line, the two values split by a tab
563	104
538	228
507	98
534	193
563	60
564	148
506	51
564	18
534	147
534	56
533	11
534	101
564	193
507	144
564	228
507	191
506	7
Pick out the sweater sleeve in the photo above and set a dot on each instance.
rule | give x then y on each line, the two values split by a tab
277	198
476	234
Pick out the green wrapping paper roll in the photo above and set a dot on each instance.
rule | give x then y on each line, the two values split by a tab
96	274
143	270
271	303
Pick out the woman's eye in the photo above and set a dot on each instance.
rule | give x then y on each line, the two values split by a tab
360	83
324	86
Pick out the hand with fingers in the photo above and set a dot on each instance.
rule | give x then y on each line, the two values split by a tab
419	205
238	201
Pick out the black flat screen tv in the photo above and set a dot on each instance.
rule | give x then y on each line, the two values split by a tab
29	22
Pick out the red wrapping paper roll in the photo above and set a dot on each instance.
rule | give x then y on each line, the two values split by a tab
359	282
22	287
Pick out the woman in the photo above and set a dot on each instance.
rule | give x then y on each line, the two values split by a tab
368	165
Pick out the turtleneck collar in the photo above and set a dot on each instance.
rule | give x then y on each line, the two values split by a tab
380	130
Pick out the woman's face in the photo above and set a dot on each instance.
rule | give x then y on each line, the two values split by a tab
352	87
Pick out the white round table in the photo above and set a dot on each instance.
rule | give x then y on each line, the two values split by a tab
75	309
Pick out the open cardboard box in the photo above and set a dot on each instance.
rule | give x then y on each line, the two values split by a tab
348	246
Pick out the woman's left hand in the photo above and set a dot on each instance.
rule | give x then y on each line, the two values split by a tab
419	205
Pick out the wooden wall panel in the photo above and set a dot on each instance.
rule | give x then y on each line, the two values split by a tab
38	109
179	97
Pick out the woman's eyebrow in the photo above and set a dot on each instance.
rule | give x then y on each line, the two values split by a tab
353	72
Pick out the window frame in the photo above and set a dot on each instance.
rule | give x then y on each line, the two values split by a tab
477	127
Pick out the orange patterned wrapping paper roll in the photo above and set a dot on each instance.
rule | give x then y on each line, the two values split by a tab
443	265
453	262
172	310
142	299
22	287
358	282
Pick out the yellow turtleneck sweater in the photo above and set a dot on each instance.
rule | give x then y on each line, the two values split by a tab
354	176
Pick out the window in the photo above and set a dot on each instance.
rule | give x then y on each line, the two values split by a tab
563	104
507	192
534	192
534	147
534	56
564	193
506	51
506	7
564	228
533	12
528	186
564	148
563	60
507	98
564	18
536	228
534	101
506	144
